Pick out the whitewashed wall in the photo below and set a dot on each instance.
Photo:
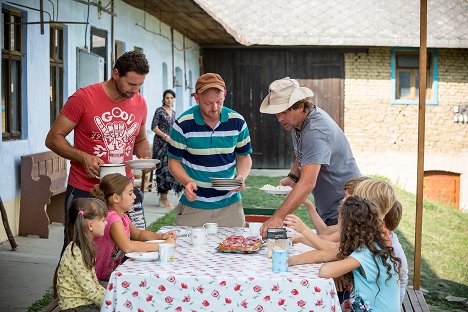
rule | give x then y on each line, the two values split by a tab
131	27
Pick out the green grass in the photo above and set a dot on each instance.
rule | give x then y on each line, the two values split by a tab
444	266
168	219
41	303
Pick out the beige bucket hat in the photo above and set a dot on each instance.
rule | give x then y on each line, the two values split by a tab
283	94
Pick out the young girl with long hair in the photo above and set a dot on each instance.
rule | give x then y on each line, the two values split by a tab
383	196
364	252
77	284
120	235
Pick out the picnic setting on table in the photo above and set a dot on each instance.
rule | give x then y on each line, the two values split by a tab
226	271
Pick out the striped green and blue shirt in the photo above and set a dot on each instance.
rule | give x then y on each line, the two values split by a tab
209	153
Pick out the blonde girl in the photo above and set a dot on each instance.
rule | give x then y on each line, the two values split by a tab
77	284
329	235
120	235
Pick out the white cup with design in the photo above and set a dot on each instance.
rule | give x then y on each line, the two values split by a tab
255	227
166	253
211	228
198	237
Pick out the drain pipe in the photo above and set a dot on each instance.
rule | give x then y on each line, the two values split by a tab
173	68
112	35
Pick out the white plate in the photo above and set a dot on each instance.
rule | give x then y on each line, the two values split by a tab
180	232
225	180
159	241
143	256
277	192
142	163
226	188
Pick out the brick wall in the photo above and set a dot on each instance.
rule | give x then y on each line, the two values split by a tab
383	136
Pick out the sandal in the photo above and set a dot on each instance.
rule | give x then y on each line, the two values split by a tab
165	202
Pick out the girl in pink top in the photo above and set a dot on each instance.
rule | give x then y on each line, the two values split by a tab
120	235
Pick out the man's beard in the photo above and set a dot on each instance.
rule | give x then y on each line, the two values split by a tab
125	95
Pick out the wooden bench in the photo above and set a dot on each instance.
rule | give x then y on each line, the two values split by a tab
414	301
258	214
52	306
43	186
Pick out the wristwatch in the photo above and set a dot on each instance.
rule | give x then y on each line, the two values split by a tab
293	177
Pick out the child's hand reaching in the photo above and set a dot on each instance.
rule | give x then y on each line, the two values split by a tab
295	239
296	223
170	240
169	234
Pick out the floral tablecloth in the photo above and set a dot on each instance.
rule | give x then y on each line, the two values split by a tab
205	279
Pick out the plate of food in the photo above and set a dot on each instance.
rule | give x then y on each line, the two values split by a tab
240	244
143	256
276	190
142	164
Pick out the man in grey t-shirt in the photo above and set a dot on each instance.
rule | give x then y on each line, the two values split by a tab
324	161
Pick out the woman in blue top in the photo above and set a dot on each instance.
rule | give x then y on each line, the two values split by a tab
365	253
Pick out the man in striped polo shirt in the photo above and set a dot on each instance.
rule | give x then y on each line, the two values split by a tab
209	141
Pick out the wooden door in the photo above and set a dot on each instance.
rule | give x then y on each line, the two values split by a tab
327	96
443	187
321	70
248	74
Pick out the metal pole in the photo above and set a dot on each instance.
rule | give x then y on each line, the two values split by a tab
421	133
112	35
41	14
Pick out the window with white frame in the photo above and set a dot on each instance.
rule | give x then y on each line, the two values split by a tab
405	76
12	64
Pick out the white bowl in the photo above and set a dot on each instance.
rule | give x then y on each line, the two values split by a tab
142	164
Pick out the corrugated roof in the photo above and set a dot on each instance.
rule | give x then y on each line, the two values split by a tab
340	22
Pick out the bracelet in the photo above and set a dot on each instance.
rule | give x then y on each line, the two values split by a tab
293	177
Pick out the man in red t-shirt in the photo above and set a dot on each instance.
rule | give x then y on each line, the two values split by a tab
108	120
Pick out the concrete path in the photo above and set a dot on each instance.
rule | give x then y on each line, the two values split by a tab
26	274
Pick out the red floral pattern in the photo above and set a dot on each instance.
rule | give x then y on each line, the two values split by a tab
205	280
